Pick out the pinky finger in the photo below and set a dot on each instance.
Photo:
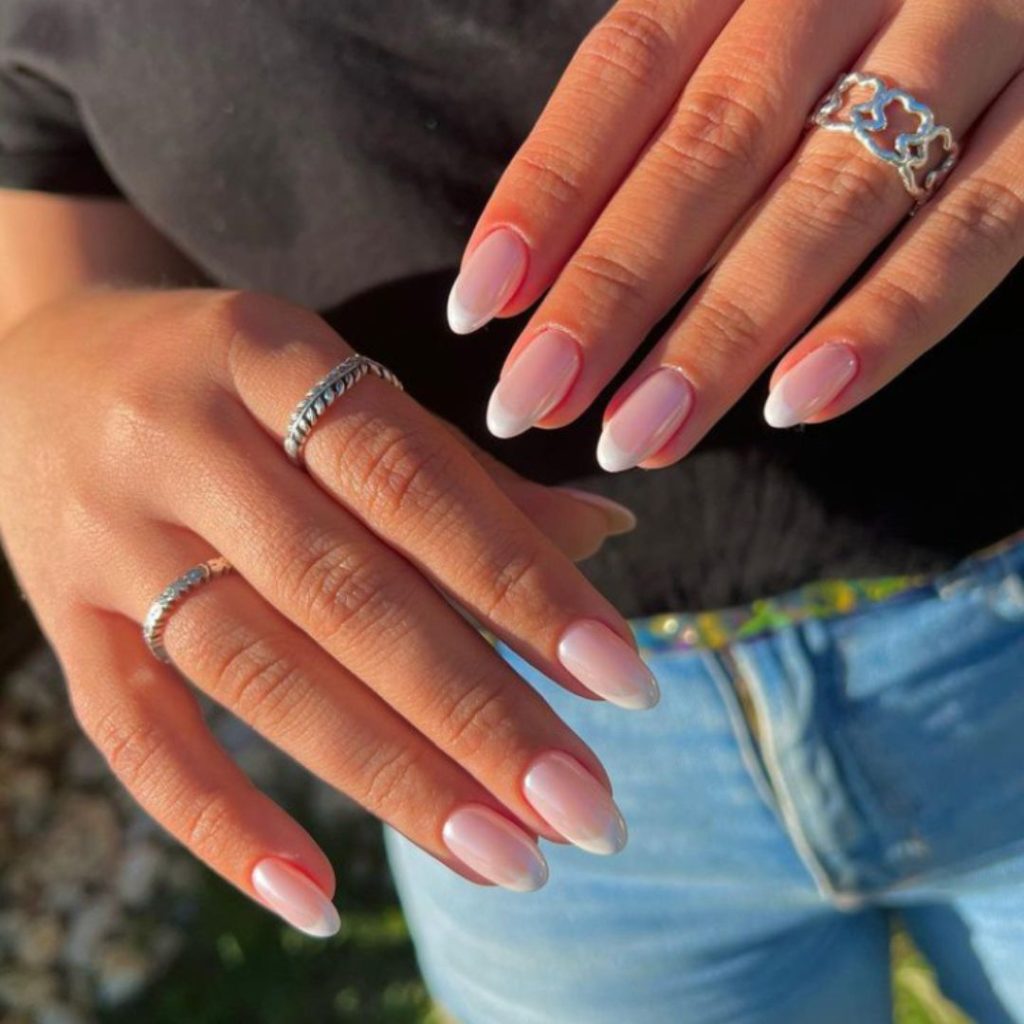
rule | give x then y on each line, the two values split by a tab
940	267
148	725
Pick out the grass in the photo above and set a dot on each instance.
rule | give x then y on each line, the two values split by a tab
240	965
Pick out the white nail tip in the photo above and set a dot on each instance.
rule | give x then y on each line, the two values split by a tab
610	457
502	423
460	321
778	412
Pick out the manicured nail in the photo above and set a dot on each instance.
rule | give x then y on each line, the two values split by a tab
620	518
487	280
645	420
603	662
574	803
810	385
493	847
534	384
295	897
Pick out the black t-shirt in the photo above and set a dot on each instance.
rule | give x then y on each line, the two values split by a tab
337	153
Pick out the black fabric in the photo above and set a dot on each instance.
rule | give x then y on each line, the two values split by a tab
337	153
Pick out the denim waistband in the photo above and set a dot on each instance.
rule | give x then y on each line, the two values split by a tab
822	599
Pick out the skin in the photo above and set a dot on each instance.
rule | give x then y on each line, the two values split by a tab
675	145
142	432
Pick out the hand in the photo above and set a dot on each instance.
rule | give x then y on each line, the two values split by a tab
674	143
142	436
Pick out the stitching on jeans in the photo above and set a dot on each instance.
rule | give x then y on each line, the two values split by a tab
742	727
842	900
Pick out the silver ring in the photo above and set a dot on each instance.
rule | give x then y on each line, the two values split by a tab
324	393
167	600
867	121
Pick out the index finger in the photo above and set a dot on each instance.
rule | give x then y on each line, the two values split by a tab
395	467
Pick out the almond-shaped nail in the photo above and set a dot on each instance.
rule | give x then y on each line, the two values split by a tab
574	803
534	384
488	279
604	663
294	896
493	847
810	385
620	518
645	421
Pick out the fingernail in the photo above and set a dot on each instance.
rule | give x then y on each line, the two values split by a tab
487	280
645	420
295	897
810	385
495	848
620	518
574	803
603	662
534	384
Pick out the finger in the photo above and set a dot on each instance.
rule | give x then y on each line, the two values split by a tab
942	266
614	93
577	521
829	209
387	460
736	122
235	646
150	729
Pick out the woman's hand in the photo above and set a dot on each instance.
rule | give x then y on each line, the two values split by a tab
141	436
674	143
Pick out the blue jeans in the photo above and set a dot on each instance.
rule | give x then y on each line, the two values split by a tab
878	769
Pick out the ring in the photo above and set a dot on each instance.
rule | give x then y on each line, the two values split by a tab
167	600
323	394
911	150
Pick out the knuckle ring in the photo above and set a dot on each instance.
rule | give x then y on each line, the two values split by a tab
170	597
323	393
868	122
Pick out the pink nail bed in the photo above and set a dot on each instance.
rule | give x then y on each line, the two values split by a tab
294	896
534	384
488	279
643	423
604	663
493	847
574	803
810	385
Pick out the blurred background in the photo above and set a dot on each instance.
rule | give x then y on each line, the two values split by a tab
104	920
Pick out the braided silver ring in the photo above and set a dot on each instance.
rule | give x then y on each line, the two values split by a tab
323	394
167	600
867	122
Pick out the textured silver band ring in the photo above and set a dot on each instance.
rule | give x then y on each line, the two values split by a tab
324	393
868	122
168	599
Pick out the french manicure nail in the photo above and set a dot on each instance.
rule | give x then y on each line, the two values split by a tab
487	281
574	803
810	385
493	847
534	384
645	420
603	662
295	897
620	518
